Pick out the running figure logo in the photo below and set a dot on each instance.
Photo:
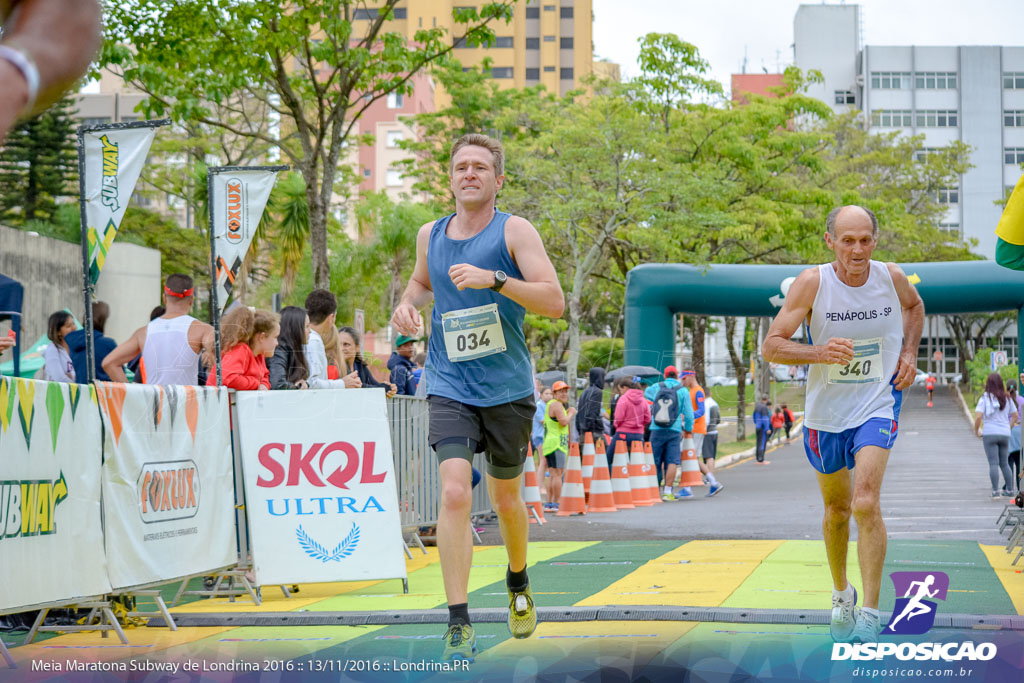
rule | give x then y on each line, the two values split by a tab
914	613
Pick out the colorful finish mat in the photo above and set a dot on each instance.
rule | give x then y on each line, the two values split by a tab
733	573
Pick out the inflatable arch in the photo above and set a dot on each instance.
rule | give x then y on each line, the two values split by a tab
657	291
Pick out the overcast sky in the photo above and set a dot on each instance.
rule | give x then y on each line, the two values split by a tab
722	29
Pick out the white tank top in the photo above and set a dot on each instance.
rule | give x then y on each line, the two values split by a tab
167	355
843	397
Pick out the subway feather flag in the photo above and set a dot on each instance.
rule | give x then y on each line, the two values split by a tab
114	158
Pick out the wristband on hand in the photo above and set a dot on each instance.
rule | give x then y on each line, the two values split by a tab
22	61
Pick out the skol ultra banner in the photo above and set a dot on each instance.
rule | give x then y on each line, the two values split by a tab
51	541
113	161
168	491
239	197
319	486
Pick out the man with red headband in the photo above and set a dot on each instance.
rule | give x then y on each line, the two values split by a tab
170	345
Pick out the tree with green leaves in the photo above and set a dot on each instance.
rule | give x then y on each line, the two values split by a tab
310	62
582	171
39	165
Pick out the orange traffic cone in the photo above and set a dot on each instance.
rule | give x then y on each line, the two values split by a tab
602	499
652	474
588	463
531	494
689	469
620	478
572	502
638	477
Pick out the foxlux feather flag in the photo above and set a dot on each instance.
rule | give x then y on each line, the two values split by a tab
114	158
238	199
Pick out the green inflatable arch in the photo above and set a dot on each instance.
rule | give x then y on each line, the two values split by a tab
657	291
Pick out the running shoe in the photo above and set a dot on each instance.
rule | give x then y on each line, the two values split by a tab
459	643
522	613
715	488
995	494
867	629
1007	494
845	615
684	494
667	497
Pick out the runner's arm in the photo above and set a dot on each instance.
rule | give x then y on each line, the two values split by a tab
59	36
913	325
123	353
779	348
418	293
539	291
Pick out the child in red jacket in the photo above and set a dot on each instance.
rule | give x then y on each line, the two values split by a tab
248	339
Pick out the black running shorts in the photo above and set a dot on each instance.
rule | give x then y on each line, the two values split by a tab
502	431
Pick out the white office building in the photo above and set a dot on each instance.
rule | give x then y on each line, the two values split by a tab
973	93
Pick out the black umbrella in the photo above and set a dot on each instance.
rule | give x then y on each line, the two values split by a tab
632	371
550	377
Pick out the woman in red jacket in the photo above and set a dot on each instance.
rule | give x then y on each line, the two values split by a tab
248	339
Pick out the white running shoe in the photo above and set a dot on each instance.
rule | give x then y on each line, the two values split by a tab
867	629
845	617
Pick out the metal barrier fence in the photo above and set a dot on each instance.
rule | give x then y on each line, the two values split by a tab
416	471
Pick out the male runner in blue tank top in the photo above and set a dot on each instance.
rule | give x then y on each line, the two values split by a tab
483	269
871	317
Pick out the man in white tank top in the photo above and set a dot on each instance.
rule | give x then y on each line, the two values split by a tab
865	321
170	345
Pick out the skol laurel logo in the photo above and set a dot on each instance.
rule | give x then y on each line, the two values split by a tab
234	189
168	491
111	161
914	613
28	508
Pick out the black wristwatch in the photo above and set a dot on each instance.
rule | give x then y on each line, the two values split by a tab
499	280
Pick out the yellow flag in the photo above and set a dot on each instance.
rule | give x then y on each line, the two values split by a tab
1011	225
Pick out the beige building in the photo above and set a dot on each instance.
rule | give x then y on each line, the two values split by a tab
547	42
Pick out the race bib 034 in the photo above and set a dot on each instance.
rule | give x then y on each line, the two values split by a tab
472	333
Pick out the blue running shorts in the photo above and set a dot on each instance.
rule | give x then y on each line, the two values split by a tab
832	451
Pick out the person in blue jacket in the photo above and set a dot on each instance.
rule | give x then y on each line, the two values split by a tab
762	425
102	345
666	440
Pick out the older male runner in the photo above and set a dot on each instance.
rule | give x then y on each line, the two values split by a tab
484	269
45	46
865	322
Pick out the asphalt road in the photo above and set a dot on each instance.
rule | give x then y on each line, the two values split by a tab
936	487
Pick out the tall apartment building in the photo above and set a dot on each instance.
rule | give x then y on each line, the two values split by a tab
548	42
973	93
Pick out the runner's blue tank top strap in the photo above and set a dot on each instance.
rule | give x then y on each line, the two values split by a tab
477	352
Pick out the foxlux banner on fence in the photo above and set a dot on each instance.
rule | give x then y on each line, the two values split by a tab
320	486
113	161
51	541
239	197
168	492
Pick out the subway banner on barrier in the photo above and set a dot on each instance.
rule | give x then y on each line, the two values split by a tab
168	489
51	541
114	157
320	486
239	197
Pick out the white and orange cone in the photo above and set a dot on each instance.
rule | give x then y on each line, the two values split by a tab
531	492
689	468
602	499
588	463
638	476
621	490
652	492
572	502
